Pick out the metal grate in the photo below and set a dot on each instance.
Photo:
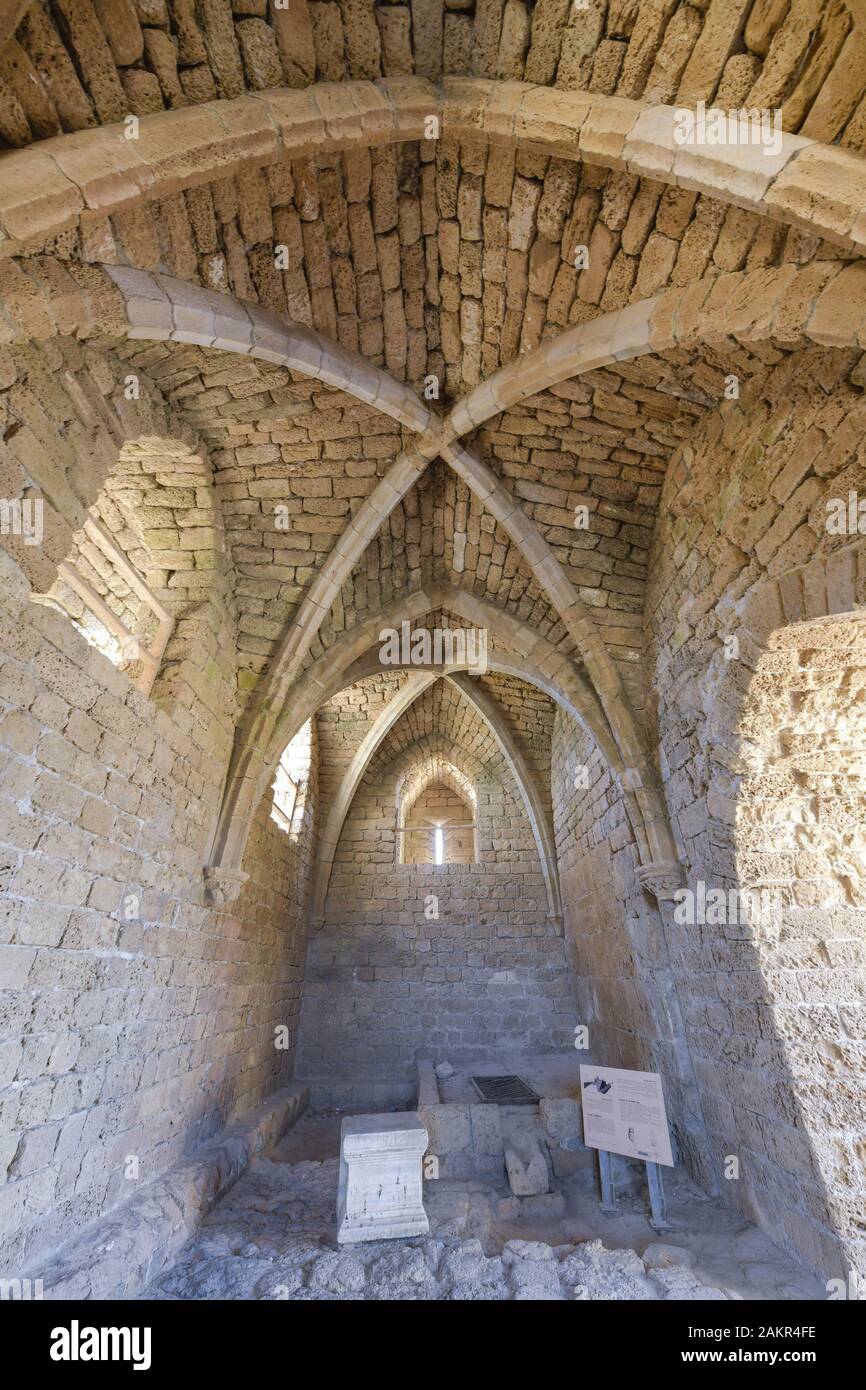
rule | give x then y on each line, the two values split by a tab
504	1090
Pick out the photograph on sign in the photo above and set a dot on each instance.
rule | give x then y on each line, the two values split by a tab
624	1112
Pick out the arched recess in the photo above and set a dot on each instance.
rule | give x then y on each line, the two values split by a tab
340	803
539	817
136	589
433	771
357	654
122	488
777	966
97	425
492	714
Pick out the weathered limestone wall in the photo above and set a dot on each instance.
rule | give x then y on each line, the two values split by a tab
77	64
439	805
455	961
615	935
761	729
136	1021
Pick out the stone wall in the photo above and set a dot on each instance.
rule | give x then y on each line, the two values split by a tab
616	937
455	961
758	693
136	1021
753	690
74	64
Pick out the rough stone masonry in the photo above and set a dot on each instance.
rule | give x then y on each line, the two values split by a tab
321	319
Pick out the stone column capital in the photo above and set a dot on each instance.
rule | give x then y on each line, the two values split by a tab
221	885
662	878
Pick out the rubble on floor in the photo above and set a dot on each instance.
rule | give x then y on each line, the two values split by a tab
270	1242
274	1237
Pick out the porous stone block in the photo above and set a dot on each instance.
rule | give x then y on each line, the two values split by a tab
545	1206
449	1128
562	1118
379	1192
428	1091
526	1166
486	1129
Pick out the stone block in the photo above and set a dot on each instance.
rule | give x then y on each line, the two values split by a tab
379	1194
449	1127
562	1118
486	1129
428	1091
526	1166
662	1256
545	1206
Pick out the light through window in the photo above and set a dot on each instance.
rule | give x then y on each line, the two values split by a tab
291	781
438	845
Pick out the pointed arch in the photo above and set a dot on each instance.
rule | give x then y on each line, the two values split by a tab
525	654
59	183
433	770
539	818
341	802
490	711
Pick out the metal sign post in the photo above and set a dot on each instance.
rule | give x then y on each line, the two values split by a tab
658	1218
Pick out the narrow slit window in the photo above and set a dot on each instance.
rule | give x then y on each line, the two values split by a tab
291	782
285	796
436	818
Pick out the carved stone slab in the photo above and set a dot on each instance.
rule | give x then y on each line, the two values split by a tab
379	1193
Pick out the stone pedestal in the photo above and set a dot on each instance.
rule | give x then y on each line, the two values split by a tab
379	1194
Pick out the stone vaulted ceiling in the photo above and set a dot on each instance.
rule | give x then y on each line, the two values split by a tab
430	207
319	318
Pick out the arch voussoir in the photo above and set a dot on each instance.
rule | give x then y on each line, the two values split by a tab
71	179
491	712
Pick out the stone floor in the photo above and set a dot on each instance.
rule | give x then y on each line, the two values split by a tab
273	1236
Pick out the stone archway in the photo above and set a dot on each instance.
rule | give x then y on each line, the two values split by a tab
492	715
430	797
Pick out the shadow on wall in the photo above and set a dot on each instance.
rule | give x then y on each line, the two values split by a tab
768	938
616	940
765	740
787	825
754	619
